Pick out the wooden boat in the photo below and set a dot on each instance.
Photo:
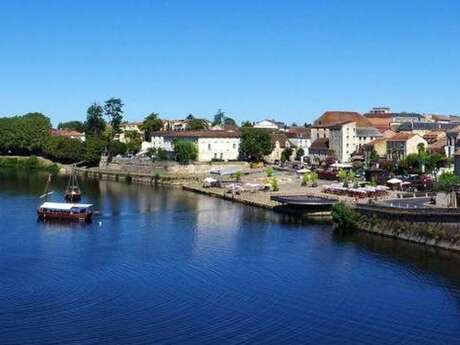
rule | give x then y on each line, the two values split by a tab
65	211
72	191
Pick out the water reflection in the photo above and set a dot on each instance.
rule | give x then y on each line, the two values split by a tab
166	266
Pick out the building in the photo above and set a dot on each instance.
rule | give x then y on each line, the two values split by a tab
379	146
319	150
67	133
452	141
437	142
300	137
346	131
403	144
380	110
424	127
280	142
270	124
342	140
181	125
211	145
365	135
399	118
129	127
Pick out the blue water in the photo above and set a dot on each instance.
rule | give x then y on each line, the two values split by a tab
171	267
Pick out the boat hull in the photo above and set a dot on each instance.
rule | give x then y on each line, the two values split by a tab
67	216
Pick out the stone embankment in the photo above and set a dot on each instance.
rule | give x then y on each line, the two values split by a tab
436	227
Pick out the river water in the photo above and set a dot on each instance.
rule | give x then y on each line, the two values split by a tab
163	266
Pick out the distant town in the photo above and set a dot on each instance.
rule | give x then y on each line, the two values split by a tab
335	136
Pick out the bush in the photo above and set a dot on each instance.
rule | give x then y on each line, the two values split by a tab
305	179
237	175
53	169
269	172
185	151
8	162
345	217
447	182
32	163
274	184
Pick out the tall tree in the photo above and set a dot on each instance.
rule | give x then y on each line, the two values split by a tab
219	118
95	123
247	124
152	123
113	109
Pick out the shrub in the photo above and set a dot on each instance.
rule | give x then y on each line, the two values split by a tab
53	169
305	179
32	163
185	151
237	175
269	172
345	217
274	184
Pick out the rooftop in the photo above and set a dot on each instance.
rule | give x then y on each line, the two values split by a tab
331	118
320	144
401	137
368	132
198	134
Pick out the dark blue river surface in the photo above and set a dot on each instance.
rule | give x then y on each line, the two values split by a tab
163	266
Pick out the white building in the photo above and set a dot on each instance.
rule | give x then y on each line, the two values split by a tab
342	140
211	145
270	124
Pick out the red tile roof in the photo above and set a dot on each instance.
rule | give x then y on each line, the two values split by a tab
401	137
331	118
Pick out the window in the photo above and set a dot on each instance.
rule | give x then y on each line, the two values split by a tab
209	147
221	156
234	145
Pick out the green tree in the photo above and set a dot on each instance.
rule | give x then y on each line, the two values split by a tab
118	148
286	154
185	151
448	181
134	141
95	123
196	125
64	150
72	125
299	154
219	118
113	110
255	144
25	134
94	147
247	124
152	123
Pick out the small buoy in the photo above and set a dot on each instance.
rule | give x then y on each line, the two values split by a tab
100	223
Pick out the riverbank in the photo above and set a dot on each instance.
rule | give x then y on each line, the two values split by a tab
415	227
32	163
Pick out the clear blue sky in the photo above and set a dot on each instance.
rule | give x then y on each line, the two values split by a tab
289	59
